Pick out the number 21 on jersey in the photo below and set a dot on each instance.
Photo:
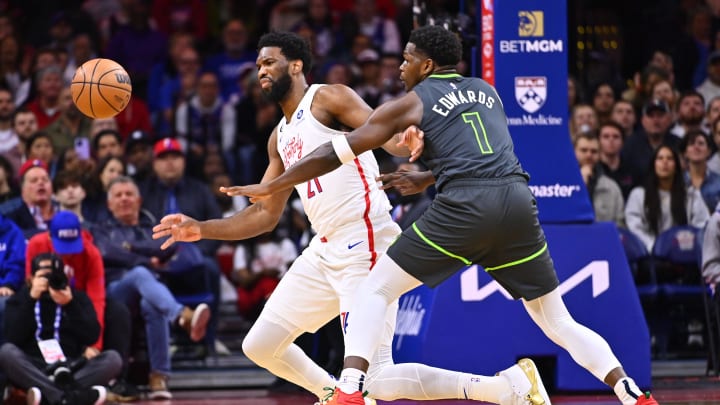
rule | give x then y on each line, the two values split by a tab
313	187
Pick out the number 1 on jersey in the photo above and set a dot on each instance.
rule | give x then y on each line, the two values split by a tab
318	187
473	119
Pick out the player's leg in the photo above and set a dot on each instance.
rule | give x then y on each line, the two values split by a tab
389	381
302	302
585	346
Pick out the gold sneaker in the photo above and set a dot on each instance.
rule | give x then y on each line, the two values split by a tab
526	384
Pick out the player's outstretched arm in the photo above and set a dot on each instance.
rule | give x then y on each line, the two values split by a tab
387	120
254	220
347	107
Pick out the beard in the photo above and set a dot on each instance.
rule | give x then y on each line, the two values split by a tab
279	88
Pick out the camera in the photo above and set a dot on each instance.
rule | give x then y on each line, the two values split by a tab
57	280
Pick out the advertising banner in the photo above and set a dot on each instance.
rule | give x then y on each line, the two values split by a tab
469	323
528	64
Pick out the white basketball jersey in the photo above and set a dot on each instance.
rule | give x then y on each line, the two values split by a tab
345	195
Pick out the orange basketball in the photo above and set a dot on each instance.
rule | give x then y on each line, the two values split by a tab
101	88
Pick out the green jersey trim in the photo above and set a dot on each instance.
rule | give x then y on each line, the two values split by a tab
521	261
439	248
445	75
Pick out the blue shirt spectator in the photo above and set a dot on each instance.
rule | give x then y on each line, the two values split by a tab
228	64
12	257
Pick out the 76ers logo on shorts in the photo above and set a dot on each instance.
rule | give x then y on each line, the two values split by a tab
531	92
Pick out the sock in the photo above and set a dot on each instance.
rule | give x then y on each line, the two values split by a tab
627	391
351	380
482	388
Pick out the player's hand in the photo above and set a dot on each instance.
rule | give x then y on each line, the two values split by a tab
254	192
179	228
406	182
6	291
413	138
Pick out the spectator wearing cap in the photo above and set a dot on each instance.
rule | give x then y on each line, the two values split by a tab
83	262
34	208
46	104
69	126
690	113
132	258
168	190
653	132
45	311
139	155
107	142
710	87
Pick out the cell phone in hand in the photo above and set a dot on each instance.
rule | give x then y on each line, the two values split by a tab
82	148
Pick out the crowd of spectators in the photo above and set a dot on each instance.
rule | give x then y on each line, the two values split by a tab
89	190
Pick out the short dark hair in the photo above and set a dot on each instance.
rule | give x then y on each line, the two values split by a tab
21	110
588	136
293	46
33	138
106	132
688	94
65	178
612	124
439	44
690	137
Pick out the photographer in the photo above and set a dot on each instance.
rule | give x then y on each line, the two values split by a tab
48	327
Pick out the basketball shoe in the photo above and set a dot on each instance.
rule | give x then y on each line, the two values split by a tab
646	399
336	397
527	386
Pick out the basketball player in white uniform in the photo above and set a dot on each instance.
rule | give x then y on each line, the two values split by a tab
350	216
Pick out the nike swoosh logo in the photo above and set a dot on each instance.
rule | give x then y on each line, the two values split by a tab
350	246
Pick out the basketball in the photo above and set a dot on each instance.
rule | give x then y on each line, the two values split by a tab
101	88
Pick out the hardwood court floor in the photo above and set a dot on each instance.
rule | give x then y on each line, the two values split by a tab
706	394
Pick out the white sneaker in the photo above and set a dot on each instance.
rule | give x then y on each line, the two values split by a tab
527	386
34	396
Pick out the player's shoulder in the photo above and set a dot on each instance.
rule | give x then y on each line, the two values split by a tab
333	91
